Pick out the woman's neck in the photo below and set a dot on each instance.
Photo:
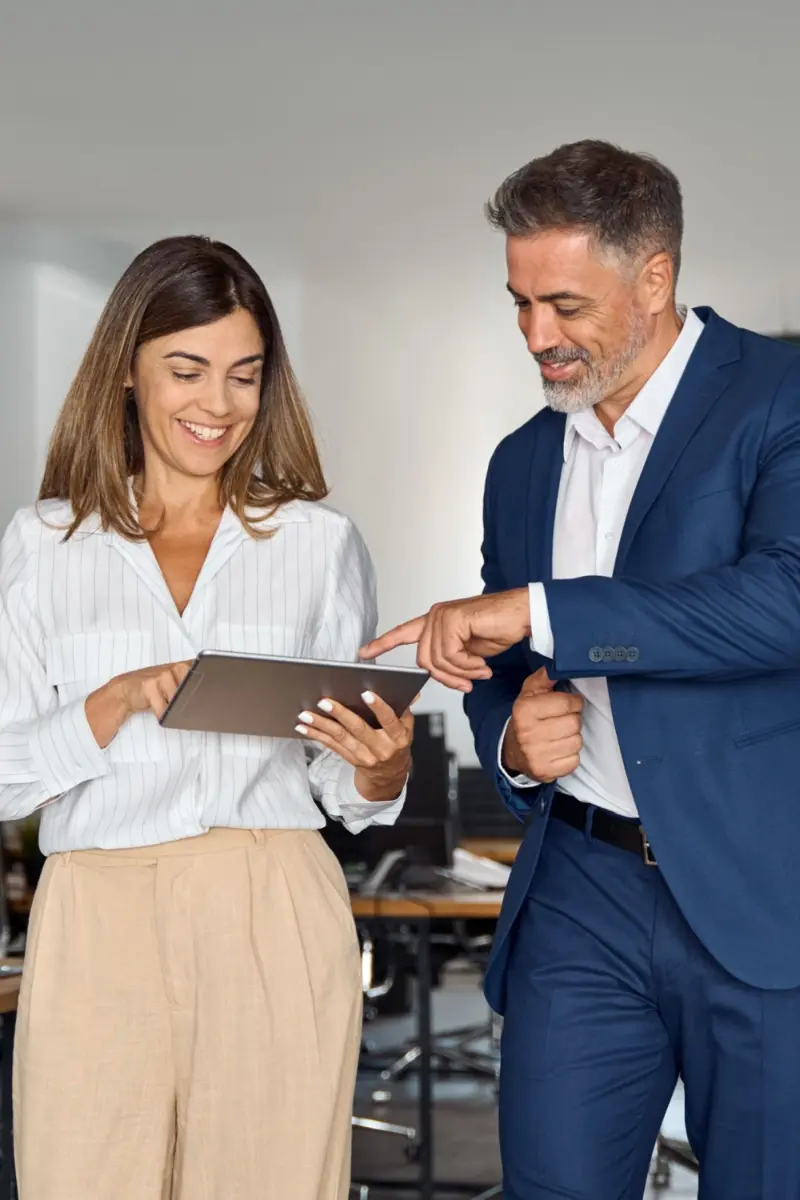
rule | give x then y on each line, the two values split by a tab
169	500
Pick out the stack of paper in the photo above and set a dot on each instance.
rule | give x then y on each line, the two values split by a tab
478	872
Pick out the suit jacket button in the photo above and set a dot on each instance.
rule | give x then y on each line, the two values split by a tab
633	653
596	654
608	654
620	653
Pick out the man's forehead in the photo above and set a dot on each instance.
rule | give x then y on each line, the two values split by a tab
553	263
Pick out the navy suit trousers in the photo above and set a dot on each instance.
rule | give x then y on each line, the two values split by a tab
611	997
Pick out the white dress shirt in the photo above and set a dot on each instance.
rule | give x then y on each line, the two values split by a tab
74	614
598	479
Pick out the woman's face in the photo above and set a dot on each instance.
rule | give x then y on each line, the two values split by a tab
197	393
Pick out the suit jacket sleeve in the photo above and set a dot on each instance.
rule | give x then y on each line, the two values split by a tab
722	623
488	706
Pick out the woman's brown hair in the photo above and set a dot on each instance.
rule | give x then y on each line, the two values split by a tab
177	283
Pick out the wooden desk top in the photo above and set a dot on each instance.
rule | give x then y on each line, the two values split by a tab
502	850
466	905
9	992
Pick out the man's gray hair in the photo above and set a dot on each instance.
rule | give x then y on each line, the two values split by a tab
629	203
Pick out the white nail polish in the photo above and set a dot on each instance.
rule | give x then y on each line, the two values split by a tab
301	729
325	705
368	697
307	718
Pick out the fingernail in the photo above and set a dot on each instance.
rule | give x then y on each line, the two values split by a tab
368	697
301	729
306	717
325	705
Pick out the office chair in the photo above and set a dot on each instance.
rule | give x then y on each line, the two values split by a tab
669	1151
374	991
456	1049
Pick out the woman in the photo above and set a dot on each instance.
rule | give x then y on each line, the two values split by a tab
189	1020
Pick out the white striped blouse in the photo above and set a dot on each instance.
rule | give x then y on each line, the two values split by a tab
75	613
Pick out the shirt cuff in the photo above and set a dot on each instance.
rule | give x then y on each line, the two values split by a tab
541	629
342	800
517	781
64	750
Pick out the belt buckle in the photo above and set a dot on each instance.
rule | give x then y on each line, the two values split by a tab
648	857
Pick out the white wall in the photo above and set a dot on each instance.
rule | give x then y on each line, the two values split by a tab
412	387
68	304
17	374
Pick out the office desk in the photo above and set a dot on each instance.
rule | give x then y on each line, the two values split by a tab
419	909
502	850
9	995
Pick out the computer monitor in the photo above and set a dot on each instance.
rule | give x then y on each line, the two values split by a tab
427	831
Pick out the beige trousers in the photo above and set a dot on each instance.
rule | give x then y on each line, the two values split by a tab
189	1023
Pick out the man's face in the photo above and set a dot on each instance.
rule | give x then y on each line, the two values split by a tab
585	317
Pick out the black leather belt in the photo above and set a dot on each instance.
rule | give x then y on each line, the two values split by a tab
606	826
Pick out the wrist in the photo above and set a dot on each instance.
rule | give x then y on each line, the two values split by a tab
379	789
107	709
511	757
520	600
513	762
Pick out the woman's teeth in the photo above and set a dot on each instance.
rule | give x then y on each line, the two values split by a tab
207	433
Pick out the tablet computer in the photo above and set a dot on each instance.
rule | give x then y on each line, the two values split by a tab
263	695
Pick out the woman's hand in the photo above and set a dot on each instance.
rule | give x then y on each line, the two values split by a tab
382	757
149	689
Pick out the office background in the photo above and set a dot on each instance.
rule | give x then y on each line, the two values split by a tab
347	148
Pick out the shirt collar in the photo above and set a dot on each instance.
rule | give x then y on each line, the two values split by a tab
649	406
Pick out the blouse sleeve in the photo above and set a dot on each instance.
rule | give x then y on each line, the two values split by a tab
349	621
45	748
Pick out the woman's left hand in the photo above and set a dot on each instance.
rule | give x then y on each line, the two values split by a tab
382	757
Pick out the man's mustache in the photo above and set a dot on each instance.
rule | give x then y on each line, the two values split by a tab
562	354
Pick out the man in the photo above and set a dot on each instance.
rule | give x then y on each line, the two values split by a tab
640	706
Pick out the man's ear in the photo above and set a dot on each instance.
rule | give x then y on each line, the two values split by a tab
657	281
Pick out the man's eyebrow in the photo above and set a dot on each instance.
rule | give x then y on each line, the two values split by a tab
552	297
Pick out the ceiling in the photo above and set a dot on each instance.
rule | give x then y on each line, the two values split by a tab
333	117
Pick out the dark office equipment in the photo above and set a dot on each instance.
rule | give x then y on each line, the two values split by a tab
408	854
482	813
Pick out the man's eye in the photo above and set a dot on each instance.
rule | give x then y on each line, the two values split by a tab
568	312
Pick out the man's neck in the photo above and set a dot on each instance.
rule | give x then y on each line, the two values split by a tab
610	410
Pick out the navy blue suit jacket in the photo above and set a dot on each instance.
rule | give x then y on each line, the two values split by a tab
699	629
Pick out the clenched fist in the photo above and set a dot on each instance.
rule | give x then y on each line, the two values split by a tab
543	740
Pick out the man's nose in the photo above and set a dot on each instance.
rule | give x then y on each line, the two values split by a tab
540	332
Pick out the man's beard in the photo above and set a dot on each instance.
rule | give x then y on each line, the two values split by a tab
600	377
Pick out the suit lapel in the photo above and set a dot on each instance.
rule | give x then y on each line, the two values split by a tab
702	384
546	463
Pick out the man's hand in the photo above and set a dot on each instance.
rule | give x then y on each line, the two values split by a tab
543	739
456	638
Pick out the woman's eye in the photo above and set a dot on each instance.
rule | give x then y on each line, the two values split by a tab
186	376
244	382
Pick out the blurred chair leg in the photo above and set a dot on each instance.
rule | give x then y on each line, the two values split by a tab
662	1168
404	1131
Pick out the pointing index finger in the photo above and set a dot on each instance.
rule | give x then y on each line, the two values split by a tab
407	634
